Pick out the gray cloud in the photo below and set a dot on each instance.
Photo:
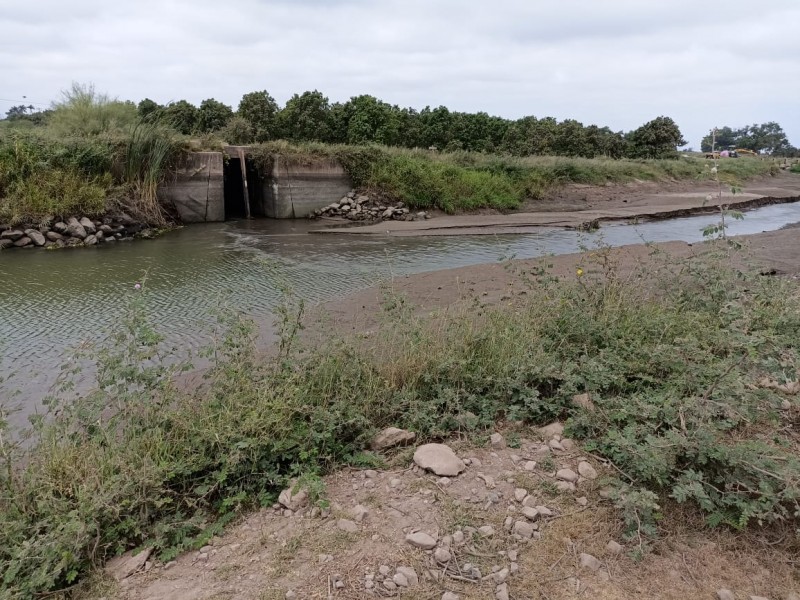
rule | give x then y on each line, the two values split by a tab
616	62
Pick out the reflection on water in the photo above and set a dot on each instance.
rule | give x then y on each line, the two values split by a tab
50	301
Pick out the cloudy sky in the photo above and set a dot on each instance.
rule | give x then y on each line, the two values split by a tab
609	62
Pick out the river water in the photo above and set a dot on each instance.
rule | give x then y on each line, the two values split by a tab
52	301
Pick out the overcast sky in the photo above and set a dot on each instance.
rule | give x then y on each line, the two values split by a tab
609	62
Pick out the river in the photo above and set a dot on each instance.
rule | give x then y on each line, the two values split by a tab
52	301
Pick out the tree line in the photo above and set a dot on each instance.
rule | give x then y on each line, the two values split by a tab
765	138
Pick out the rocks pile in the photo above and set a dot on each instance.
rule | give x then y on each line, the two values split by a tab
360	207
388	581
73	232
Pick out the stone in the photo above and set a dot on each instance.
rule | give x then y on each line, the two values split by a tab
523	529
384	570
347	525
587	561
555	445
12	234
583	401
544	511
290	595
548	431
501	575
614	548
586	470
395	482
520	494
567	475
529	465
530	513
391	437
293	500
441	555
410	575
486	531
359	513
723	594
420	539
23	241
75	229
450	596
60	227
501	592
758	598
439	459
497	441
53	236
88	225
36	237
786	405
5	244
458	537
390	585
126	565
370	474
90	240
565	486
400	580
567	444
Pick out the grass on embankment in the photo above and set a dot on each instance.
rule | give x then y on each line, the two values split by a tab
683	373
464	181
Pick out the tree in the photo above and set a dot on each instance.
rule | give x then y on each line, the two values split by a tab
306	117
238	131
725	138
767	138
183	116
213	115
365	119
658	138
147	107
260	111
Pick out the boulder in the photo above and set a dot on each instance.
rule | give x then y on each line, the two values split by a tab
60	227
90	240
586	470
410	575
497	441
36	237
75	229
12	234
567	475
439	459
126	565
5	244
523	529
88	225
54	236
391	437
420	539
23	241
549	431
293	500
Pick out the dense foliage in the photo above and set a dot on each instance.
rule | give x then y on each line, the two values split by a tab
766	138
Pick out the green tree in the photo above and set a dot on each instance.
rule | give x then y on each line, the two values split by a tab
213	115
260	111
183	116
658	138
365	119
724	138
436	127
306	117
147	107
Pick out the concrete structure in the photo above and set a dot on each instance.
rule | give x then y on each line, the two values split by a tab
196	188
214	186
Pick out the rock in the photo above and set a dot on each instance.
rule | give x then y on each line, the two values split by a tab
758	598
126	565
347	525
392	436
370	474
440	459
450	596
442	555
497	441
501	575
565	486
567	444
555	445
23	241
458	537
530	513
410	575
548	431
530	465
420	539
90	240
359	513
11	234
587	561
5	244
501	592
395	482
520	494
723	594
400	580
389	585
486	531
290	595
384	570
567	475
583	401
36	237
53	236
293	500
523	529
387	213
60	227
88	225
614	548
586	470
75	229
582	501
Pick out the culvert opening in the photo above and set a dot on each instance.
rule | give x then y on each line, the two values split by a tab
242	188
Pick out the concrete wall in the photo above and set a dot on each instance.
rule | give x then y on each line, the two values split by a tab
295	188
196	189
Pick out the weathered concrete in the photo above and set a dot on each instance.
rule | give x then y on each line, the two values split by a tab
196	189
295	188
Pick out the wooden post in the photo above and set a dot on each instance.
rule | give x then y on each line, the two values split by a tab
244	184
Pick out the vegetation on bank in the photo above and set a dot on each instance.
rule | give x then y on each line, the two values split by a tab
691	374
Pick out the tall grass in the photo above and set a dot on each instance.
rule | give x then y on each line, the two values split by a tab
685	378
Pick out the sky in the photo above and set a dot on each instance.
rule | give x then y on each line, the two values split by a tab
609	62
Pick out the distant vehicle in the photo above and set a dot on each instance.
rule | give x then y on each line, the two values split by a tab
746	152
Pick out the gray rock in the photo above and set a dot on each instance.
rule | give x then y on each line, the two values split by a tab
290	595
555	445
60	227
587	561
23	241
565	486
392	436
497	441
410	575
442	555
758	598
53	236
723	594
548	431
543	511
458	537
501	575
126	565
520	494
75	229
501	592
36	237
567	475
88	225
293	500
614	548
359	513
90	240
583	401
523	529
5	244
530	513
12	234
586	470
450	596
400	580
439	459
420	539
529	465
347	525
486	531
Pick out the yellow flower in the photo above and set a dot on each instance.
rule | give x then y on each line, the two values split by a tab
579	272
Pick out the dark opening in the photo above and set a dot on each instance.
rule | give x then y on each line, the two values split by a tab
234	189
